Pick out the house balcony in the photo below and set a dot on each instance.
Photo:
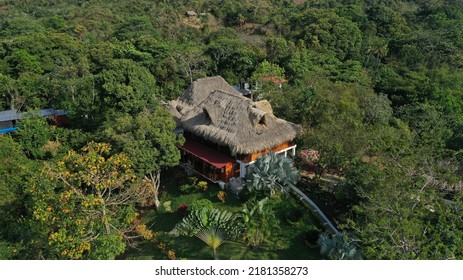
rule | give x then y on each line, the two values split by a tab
209	163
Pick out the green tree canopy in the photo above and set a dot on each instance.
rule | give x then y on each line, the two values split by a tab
33	133
83	206
148	139
127	86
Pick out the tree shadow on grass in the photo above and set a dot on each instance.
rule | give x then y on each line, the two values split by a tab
165	222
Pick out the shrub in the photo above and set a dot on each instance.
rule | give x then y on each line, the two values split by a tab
193	180
182	208
200	204
167	206
171	255
221	195
294	215
260	221
338	247
202	185
187	188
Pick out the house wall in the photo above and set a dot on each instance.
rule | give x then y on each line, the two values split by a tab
6	124
203	168
228	172
60	120
231	169
254	156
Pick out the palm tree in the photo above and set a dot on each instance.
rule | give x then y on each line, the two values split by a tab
379	50
212	226
213	238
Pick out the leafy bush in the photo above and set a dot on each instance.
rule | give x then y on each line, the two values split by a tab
187	188
202	185
193	180
260	221
167	206
294	215
200	204
221	195
182	208
338	247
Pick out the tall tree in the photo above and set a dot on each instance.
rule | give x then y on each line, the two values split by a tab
149	141
33	133
127	86
324	30
16	171
401	216
192	62
84	205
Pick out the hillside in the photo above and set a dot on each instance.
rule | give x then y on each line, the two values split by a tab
377	87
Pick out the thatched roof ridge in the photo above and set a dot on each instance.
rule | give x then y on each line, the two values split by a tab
200	89
264	105
226	118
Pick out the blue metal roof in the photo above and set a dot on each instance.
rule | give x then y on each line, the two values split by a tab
7	130
14	115
52	112
9	115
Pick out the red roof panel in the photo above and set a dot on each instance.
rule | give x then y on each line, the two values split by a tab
207	154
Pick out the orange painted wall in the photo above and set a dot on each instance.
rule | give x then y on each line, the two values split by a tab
254	156
228	172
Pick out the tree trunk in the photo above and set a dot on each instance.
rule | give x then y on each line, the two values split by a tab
104	216
155	178
105	221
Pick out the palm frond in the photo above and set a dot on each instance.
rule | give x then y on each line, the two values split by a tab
212	237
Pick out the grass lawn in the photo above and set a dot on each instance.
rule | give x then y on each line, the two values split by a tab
287	243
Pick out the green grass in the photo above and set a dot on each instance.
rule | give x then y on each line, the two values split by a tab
287	242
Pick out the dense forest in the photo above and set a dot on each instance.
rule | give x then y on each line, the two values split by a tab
377	87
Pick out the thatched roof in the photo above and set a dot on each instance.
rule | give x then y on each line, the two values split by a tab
210	108
191	13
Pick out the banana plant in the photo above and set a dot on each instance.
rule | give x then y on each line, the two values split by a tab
259	219
249	209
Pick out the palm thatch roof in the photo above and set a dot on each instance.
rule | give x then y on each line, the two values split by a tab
210	108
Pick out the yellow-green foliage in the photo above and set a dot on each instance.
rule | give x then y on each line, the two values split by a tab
202	185
221	195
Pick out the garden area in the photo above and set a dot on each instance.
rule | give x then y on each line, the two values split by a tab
275	227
